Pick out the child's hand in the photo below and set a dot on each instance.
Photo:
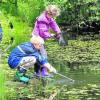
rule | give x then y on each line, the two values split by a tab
58	35
52	69
52	35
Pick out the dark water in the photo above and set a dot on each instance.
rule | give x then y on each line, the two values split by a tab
86	78
80	78
86	85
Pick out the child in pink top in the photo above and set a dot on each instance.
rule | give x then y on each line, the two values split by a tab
42	25
45	22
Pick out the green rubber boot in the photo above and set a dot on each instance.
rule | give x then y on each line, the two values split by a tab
20	77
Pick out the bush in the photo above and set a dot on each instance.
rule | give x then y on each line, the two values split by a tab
29	10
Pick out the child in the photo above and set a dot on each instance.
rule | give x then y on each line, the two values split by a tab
26	55
45	21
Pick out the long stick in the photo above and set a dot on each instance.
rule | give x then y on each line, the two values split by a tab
64	76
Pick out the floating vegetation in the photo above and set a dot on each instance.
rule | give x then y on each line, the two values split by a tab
77	55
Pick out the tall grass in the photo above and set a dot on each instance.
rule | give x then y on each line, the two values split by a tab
2	86
23	22
21	31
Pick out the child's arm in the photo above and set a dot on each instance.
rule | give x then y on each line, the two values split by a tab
55	26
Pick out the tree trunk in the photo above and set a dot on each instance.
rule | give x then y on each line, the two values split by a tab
16	6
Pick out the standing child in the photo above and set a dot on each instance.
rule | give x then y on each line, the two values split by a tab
44	23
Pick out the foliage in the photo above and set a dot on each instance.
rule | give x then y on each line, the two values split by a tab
77	54
75	12
19	30
89	92
2	86
29	10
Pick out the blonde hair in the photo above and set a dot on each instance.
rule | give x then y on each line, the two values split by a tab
53	9
36	40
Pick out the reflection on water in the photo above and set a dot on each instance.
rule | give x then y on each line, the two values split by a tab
86	78
80	78
85	87
88	74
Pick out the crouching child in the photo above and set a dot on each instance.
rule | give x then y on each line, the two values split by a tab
26	55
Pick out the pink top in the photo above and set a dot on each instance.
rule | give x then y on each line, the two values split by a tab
43	24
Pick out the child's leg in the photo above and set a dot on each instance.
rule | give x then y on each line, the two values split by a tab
37	67
27	62
24	64
39	70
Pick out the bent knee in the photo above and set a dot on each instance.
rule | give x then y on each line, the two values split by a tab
33	60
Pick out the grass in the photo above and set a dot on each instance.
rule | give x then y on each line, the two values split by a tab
2	86
21	32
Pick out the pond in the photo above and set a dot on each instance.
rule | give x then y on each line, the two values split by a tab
85	87
86	75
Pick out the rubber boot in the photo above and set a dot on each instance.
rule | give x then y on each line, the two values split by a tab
20	76
44	73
